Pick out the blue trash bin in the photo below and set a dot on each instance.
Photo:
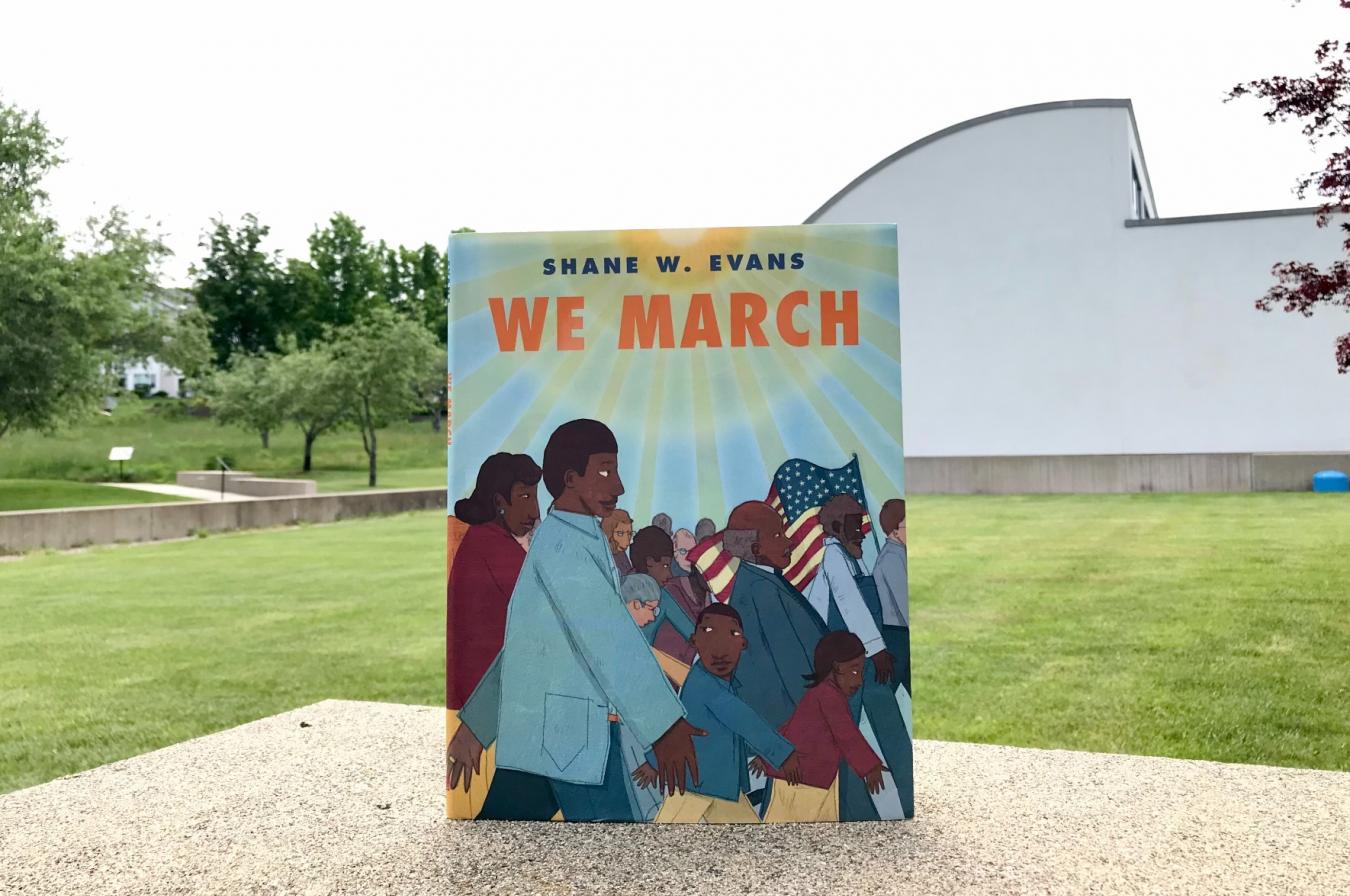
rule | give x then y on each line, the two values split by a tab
1331	481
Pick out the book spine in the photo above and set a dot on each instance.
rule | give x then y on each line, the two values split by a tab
454	800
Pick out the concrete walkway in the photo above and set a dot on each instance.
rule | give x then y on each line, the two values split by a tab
345	797
181	491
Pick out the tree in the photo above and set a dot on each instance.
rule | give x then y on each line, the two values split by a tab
187	343
430	275
431	387
380	361
241	288
348	272
69	313
415	284
246	394
28	154
305	290
1322	103
309	393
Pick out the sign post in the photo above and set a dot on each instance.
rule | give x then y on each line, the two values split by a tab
121	455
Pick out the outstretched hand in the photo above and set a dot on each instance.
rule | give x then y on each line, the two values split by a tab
675	758
644	775
791	768
884	662
875	783
759	767
462	758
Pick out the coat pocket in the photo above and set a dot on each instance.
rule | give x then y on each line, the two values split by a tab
566	720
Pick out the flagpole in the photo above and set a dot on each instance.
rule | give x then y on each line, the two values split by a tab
875	542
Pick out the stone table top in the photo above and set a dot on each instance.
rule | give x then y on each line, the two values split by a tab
346	797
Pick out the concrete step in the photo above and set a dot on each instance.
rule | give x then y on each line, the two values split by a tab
180	491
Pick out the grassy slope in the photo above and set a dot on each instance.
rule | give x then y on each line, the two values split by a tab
1194	626
167	440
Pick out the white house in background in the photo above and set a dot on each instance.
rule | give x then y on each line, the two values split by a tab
1047	309
151	373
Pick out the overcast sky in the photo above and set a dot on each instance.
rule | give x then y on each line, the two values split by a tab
419	118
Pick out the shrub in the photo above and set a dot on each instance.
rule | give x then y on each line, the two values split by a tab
213	462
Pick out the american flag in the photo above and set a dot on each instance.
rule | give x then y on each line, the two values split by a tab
717	565
798	491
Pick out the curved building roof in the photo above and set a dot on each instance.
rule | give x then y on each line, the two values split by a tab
986	119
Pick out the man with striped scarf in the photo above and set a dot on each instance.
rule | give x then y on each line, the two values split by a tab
742	566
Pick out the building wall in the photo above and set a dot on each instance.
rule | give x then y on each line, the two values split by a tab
160	377
1036	322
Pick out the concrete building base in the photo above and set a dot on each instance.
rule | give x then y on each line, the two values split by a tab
1118	473
344	797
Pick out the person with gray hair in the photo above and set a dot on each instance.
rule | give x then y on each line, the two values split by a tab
642	596
663	522
704	529
684	543
650	605
681	586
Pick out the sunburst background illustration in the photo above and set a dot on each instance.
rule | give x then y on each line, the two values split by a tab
701	429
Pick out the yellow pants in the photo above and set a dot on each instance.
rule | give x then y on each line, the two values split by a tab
693	808
803	802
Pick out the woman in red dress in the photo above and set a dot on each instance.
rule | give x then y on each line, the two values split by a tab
501	512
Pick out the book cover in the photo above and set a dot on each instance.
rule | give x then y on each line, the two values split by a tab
677	568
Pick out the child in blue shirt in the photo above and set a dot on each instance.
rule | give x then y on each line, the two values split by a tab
736	732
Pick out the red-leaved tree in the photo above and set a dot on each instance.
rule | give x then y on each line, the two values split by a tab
1322	103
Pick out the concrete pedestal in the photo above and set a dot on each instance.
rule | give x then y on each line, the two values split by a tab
345	797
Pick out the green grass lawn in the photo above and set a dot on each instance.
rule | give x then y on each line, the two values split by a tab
168	440
1190	625
38	494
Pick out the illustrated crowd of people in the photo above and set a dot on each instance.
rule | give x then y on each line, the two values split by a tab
618	686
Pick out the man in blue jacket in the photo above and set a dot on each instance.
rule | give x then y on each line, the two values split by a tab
780	626
573	665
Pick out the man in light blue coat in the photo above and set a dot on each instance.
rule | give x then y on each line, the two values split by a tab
573	666
891	572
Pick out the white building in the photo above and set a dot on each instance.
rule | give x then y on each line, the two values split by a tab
152	376
1048	311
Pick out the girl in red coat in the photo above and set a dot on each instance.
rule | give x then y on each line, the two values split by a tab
824	734
501	512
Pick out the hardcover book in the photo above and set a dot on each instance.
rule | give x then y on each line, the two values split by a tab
677	576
